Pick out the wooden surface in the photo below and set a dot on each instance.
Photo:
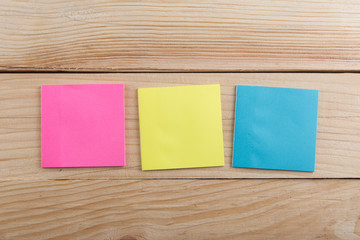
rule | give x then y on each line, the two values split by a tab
223	38
205	203
153	35
180	209
338	140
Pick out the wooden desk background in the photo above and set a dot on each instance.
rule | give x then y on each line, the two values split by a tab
50	42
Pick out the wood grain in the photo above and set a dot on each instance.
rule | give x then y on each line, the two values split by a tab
338	140
152	35
180	209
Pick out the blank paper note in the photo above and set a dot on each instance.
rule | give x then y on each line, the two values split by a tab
181	127
82	125
275	128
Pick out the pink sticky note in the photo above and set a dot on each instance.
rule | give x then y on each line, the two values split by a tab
82	125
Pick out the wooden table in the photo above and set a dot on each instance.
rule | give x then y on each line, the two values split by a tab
300	44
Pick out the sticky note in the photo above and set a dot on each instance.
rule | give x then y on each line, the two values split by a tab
82	125
275	128
181	127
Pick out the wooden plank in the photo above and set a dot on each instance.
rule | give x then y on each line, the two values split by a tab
338	142
181	209
229	35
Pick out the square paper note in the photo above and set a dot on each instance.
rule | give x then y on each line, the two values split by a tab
82	125
275	128
181	127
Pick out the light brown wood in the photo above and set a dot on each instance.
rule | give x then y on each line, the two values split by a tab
338	141
229	35
173	36
180	209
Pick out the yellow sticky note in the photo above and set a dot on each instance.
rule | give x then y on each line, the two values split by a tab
181	127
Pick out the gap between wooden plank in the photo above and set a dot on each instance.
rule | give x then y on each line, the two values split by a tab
187	178
175	72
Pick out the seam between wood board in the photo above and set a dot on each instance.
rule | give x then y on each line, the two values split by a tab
167	72
177	179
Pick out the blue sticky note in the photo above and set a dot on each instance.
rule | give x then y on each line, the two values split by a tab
275	128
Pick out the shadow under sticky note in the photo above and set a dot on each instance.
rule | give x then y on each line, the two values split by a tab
82	125
275	128
181	127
